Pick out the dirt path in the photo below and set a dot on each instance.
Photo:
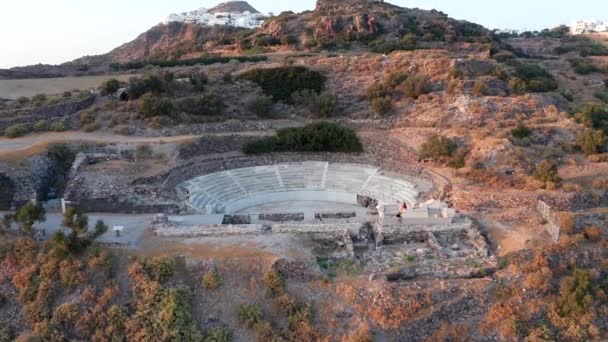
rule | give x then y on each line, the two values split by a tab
37	143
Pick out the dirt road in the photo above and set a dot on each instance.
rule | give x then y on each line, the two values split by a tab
37	143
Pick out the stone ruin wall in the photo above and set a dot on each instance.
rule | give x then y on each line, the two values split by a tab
53	113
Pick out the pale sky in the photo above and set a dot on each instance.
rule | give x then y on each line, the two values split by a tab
57	31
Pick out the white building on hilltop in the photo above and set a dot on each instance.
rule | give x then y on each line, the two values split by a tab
202	16
588	26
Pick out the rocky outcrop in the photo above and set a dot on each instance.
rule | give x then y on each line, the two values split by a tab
171	39
351	19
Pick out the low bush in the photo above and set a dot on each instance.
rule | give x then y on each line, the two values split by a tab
274	283
521	131
250	314
23	100
281	82
58	126
160	268
67	94
535	79
150	105
17	130
211	280
42	126
378	90
594	116
321	105
109	87
591	141
262	105
317	137
92	127
207	104
218	335
414	86
39	98
437	147
382	105
86	118
583	66
547	172
122	130
151	83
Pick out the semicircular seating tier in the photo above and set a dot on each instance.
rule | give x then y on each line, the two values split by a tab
233	190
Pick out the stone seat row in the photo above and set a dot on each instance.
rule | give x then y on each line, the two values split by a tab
212	192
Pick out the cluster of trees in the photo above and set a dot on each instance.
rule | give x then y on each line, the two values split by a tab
531	78
282	82
298	314
317	137
442	149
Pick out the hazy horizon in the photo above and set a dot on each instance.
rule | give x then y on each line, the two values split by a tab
63	30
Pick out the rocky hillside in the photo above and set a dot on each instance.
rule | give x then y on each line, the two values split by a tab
364	20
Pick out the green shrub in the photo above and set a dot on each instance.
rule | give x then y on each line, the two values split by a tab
262	105
61	155
218	335
322	105
58	126
395	79
378	90
159	268
110	87
250	314
29	214
23	100
17	130
274	283
122	130
281	82
42	126
594	116
211	280
547	172
39	98
150	105
92	127
437	146
150	83
316	137
86	118
521	131
382	105
415	85
591	141
583	66
535	77
100	229
207	104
